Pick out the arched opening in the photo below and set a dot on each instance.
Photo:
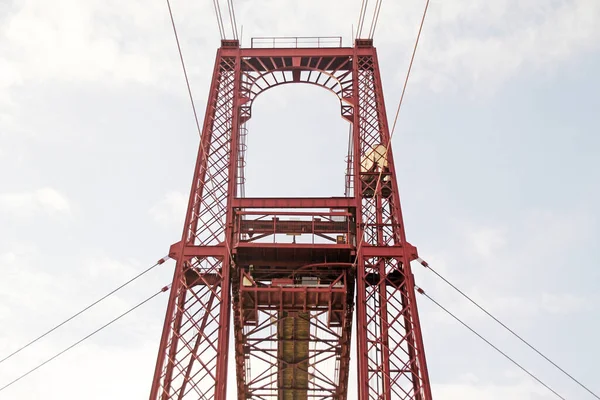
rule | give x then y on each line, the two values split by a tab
297	144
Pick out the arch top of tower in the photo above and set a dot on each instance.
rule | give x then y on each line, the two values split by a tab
332	68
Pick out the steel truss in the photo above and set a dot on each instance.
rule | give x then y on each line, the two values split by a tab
293	270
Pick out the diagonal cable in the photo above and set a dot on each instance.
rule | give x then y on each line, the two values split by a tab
219	17
424	263
387	147
421	291
187	81
375	18
164	289
232	19
361	17
159	262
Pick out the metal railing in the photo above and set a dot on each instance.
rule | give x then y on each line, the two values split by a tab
333	226
296	42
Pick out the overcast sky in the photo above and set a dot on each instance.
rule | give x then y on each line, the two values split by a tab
496	149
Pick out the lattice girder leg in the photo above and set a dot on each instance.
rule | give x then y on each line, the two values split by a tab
192	359
391	359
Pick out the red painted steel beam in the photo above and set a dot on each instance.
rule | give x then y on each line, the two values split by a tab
188	251
307	202
204	227
300	52
284	246
390	251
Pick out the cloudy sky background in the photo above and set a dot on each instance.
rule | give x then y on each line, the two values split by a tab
496	149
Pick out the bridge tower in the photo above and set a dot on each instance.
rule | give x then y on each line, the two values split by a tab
292	301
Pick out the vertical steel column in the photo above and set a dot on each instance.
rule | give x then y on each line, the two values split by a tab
408	291
391	359
361	313
192	358
229	241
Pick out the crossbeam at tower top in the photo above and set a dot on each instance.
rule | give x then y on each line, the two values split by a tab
296	41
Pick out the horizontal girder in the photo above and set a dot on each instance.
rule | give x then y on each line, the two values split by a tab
291	203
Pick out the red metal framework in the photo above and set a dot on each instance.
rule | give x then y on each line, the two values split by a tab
292	269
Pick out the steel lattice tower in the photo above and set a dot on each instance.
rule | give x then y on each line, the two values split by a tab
293	302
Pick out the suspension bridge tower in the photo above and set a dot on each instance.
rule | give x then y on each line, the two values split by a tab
290	303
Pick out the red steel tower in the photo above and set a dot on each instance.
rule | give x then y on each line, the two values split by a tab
293	270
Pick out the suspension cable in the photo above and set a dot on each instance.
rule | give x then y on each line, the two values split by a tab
164	289
204	152
412	59
234	29
388	145
375	18
426	265
421	291
159	262
361	17
187	81
219	17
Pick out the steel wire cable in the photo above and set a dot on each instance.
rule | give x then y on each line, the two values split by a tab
234	29
375	18
159	262
164	289
203	151
412	59
361	17
426	265
187	81
387	147
218	15
421	291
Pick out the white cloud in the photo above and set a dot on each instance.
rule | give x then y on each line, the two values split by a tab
549	229
487	241
171	209
50	199
499	263
68	376
533	304
23	274
463	391
116	42
66	40
34	298
532	238
565	303
46	200
481	44
108	268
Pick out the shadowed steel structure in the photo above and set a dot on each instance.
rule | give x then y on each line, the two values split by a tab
293	270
